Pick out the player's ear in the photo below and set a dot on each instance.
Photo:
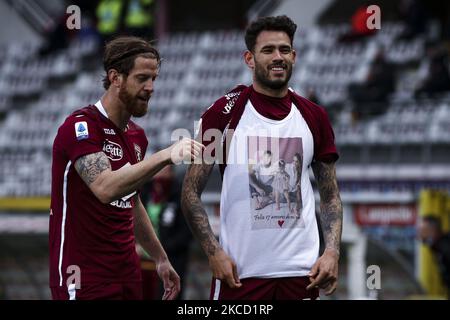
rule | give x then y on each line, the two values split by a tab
294	56
115	78
249	59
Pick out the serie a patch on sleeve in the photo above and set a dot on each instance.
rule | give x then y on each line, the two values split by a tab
81	130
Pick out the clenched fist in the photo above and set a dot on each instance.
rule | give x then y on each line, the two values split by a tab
185	151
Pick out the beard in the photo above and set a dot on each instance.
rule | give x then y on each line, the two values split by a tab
262	75
135	106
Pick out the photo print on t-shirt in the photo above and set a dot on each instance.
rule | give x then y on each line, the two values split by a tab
275	170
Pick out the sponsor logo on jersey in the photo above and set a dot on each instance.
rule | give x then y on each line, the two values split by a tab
81	130
112	150
122	204
138	152
231	98
109	131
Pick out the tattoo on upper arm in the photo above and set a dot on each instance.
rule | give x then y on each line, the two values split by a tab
330	203
91	165
194	182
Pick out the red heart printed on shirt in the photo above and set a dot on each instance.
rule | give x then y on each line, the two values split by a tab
280	223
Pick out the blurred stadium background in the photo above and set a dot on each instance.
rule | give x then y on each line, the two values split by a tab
387	92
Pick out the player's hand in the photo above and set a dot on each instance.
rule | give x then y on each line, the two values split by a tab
170	279
186	150
324	273
224	269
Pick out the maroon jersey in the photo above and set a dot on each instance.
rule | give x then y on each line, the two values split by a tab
98	238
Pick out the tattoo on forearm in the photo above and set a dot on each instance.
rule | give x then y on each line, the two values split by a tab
196	216
330	204
91	165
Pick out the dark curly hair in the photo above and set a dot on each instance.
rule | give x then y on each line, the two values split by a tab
121	53
278	23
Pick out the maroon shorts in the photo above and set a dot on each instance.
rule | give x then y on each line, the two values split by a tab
100	291
292	288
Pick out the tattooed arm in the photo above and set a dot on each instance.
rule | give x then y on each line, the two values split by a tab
108	185
146	236
330	204
325	271
194	182
222	266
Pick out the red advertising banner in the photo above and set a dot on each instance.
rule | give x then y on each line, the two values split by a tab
385	214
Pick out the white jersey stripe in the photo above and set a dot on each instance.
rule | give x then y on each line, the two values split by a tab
71	290
100	108
63	222
217	290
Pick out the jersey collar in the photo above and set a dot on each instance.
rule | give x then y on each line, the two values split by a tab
100	108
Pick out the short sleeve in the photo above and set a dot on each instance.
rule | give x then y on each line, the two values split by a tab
212	125
78	136
326	149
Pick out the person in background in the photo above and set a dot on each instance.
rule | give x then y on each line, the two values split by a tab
359	27
58	36
109	18
139	19
437	80
370	97
431	234
415	17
